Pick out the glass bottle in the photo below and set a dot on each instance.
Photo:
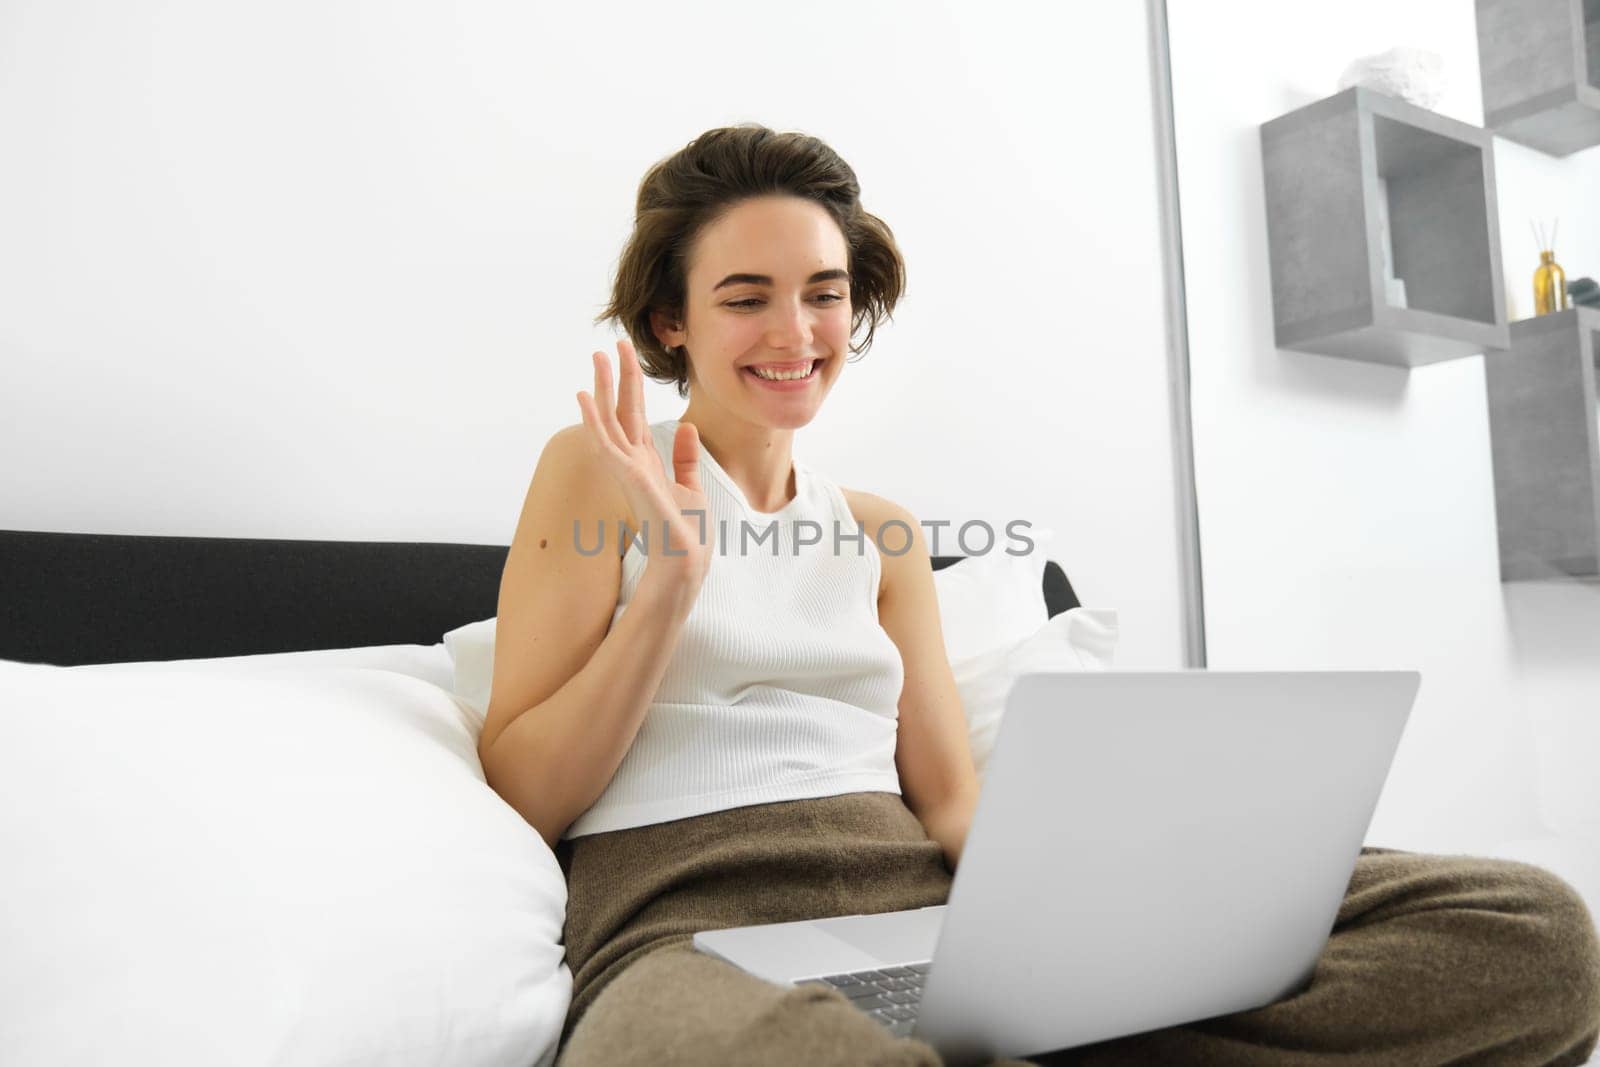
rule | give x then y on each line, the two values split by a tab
1549	285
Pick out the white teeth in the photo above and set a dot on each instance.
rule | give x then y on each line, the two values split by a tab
784	376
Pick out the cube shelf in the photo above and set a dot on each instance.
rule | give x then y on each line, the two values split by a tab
1539	63
1382	231
1543	408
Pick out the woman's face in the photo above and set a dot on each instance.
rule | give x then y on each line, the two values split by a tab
767	288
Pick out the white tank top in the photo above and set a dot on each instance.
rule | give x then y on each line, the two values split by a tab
783	685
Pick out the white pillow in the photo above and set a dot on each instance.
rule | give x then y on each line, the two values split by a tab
471	650
986	602
1076	640
249	868
431	663
994	600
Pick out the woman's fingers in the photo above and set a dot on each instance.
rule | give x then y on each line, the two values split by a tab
605	401
600	416
630	402
686	456
603	438
591	419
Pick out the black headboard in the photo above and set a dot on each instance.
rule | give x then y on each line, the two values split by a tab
75	598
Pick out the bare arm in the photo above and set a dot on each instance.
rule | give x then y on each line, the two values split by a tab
932	753
552	762
570	690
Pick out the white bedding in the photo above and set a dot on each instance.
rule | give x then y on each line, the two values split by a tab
265	865
294	858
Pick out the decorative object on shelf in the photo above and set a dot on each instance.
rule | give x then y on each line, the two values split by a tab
1585	292
1545	446
1539	63
1549	280
1361	188
1415	75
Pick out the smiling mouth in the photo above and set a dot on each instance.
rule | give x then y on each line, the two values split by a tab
787	374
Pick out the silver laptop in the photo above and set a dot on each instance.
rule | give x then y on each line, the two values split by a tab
1149	848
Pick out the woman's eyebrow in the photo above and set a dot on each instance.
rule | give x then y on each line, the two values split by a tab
766	279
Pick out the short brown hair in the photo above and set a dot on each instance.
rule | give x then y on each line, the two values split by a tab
687	191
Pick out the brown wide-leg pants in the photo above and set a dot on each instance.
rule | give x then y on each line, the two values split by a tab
1433	959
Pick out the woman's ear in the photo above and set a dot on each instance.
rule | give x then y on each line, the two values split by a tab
667	328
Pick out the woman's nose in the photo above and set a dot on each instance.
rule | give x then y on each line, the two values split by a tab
791	328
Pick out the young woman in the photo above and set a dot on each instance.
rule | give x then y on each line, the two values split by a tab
736	721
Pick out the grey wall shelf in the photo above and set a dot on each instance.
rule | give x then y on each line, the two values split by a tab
1543	408
1539	62
1360	178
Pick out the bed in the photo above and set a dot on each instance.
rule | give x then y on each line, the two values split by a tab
243	817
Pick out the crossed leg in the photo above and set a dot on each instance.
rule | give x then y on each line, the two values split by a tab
676	1005
1433	960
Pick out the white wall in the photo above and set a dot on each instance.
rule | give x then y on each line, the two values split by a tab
327	270
1347	509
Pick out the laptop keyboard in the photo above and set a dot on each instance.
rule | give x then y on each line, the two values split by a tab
891	995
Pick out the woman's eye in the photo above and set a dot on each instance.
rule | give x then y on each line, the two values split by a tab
829	298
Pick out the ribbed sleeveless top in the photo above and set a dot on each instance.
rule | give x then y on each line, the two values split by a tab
783	684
